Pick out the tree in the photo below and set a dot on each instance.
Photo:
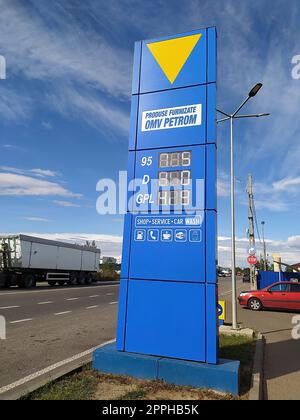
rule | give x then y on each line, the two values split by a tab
109	271
261	265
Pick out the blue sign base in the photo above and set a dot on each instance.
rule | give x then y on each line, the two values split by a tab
223	377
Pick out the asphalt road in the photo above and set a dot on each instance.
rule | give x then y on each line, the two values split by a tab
282	358
46	326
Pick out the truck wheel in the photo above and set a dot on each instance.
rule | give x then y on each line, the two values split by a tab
3	280
7	282
28	281
52	283
73	280
255	305
81	280
88	279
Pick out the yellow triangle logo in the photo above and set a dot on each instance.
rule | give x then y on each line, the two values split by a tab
171	55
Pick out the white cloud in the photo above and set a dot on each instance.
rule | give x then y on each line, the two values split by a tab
289	250
288	184
62	52
36	219
65	203
274	205
12	184
294	242
13	105
9	146
223	188
279	196
70	57
47	125
12	170
37	172
44	172
91	108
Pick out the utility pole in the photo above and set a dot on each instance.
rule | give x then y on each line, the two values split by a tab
265	247
251	231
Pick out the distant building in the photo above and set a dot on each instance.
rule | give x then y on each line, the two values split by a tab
109	260
296	267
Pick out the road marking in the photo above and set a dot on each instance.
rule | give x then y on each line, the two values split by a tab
109	294
51	368
71	299
59	289
92	307
62	313
113	303
21	320
9	307
94	296
45	303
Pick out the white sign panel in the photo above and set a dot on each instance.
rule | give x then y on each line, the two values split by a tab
169	118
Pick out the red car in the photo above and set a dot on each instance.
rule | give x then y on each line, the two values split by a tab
284	295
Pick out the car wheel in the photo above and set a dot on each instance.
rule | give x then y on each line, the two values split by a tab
255	304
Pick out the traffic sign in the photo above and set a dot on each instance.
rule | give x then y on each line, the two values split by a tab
252	260
221	310
252	250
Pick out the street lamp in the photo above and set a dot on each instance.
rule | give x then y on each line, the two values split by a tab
253	92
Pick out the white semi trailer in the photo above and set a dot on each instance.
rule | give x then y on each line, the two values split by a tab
25	260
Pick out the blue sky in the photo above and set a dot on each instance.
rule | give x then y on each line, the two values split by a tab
65	108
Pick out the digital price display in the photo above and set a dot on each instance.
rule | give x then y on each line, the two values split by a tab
174	178
174	198
174	160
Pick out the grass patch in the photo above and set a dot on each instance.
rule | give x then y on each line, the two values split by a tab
79	386
240	348
138	394
87	384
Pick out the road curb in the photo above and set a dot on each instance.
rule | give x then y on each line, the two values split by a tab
33	382
256	391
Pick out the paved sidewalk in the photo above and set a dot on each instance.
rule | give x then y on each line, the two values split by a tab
282	365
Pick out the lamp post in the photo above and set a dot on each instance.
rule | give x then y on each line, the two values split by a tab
235	116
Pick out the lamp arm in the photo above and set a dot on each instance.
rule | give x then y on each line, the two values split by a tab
223	113
241	106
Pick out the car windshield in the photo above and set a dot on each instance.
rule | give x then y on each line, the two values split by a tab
280	288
